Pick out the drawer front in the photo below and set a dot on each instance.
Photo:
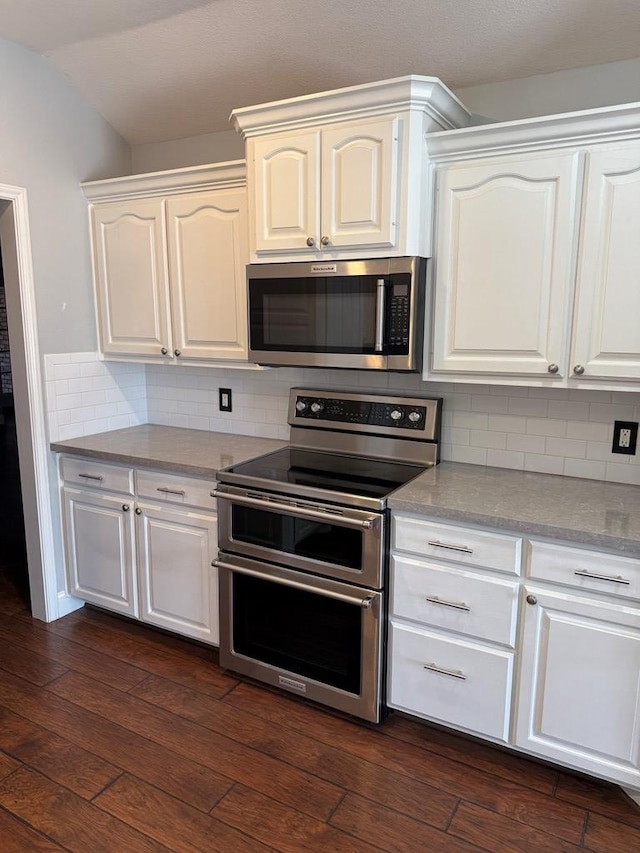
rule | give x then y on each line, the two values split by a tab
463	545
96	475
175	489
450	681
589	570
454	599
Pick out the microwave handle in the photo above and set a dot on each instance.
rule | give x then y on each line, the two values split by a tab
381	298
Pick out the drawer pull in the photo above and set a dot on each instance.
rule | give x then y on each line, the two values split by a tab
96	477
180	492
452	673
462	548
583	573
457	605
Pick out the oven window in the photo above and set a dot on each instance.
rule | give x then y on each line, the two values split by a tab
316	540
299	631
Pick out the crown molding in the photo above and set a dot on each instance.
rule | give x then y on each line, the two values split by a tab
606	124
227	175
427	95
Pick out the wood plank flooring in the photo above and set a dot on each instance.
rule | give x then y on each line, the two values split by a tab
115	738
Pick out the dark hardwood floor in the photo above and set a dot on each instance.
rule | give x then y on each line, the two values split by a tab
115	738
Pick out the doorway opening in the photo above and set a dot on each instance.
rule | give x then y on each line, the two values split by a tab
14	577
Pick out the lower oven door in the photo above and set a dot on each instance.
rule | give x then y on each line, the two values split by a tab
315	637
338	542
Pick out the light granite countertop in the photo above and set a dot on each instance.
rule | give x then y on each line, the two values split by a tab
189	451
591	513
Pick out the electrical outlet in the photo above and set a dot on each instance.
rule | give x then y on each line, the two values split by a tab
224	399
625	437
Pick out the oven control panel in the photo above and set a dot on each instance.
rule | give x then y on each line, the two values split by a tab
383	412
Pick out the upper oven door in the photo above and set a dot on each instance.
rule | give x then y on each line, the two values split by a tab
353	314
337	542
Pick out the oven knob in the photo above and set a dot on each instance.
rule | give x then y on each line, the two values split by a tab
301	406
414	417
317	407
396	415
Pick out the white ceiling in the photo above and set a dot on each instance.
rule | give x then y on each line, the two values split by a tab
168	69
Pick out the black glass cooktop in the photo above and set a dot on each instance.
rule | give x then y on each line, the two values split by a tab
300	469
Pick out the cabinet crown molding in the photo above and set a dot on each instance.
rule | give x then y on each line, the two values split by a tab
427	95
605	124
226	175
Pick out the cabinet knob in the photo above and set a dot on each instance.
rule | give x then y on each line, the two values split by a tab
125	507
177	352
325	241
164	350
311	241
578	370
138	511
553	368
531	599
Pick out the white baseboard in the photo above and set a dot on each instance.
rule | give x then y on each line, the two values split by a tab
633	795
67	604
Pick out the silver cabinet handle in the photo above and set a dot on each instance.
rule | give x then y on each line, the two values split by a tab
164	350
311	241
138	511
531	599
177	352
381	293
125	507
457	605
452	673
167	491
325	241
583	573
462	548
365	603
290	508
553	368
95	477
578	370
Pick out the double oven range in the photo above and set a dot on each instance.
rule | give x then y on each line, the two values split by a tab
304	542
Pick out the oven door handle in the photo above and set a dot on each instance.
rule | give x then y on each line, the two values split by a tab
365	603
296	509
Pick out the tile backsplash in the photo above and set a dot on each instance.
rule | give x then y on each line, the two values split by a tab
553	431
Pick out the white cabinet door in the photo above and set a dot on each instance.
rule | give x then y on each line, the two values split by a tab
178	584
606	340
99	533
359	184
505	243
579	696
208	251
131	277
285	181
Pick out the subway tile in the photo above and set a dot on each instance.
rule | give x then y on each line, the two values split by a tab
527	406
566	447
469	420
544	426
472	455
505	459
569	410
507	423
610	413
586	468
618	473
526	443
458	436
589	431
589	395
486	403
601	451
487	438
543	464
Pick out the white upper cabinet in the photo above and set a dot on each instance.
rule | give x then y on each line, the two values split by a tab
170	251
503	265
344	174
606	342
537	248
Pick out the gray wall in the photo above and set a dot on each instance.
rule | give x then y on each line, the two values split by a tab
50	141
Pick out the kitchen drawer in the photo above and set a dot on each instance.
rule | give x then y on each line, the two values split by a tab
454	599
464	545
96	475
450	681
589	570
175	489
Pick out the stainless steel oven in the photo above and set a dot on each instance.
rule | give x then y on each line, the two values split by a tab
303	537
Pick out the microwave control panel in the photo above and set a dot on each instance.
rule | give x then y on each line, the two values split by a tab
398	330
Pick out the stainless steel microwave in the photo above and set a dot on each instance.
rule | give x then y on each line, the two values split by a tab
366	315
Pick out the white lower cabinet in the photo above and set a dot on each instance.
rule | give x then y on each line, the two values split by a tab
149	557
178	584
547	662
579	697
